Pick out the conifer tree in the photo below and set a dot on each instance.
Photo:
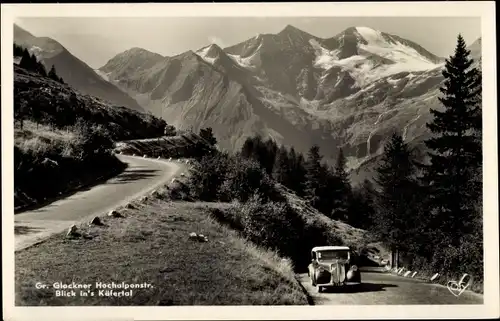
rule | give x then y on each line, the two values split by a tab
298	172
361	206
53	74
315	177
18	50
396	194
282	171
25	60
340	189
454	185
33	63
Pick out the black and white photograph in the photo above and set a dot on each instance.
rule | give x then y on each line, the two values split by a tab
231	155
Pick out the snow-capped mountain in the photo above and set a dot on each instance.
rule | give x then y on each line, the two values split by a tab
351	90
74	71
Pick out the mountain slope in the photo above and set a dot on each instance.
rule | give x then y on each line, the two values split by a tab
74	71
351	90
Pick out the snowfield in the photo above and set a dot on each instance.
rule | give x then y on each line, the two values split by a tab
363	67
250	62
203	53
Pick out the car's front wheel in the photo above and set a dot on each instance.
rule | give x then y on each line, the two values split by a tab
320	289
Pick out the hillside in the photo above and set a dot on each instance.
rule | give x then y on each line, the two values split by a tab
65	137
50	100
74	71
225	270
351	90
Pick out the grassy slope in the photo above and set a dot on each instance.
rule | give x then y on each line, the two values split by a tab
49	97
36	143
67	172
151	244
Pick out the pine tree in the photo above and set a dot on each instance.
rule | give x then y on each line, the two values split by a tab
454	185
33	63
18	50
315	177
361	206
247	150
396	195
340	189
282	170
53	74
298	172
267	157
25	60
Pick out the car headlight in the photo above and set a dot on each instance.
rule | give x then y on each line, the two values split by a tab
354	268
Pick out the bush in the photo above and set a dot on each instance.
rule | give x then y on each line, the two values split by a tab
208	175
244	178
49	156
272	224
179	191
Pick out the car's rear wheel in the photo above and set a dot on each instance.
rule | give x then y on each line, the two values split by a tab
319	288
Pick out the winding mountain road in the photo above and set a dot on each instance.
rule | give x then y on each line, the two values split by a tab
380	287
140	177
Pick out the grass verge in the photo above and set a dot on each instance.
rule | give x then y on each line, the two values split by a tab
64	157
151	244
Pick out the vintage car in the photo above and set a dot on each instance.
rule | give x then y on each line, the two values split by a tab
333	266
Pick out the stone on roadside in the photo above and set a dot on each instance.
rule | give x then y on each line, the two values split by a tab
96	221
72	230
114	213
193	235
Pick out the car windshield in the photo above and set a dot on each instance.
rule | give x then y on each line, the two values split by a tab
333	255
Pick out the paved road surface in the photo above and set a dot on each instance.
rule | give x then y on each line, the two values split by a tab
141	176
379	287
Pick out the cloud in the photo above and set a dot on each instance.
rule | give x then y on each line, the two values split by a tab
216	40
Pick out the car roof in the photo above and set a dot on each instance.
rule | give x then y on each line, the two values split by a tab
323	248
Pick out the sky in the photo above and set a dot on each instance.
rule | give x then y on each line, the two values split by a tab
96	40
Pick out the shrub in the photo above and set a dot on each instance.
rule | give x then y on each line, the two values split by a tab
179	191
244	178
207	176
272	224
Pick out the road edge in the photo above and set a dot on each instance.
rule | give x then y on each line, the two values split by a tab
121	204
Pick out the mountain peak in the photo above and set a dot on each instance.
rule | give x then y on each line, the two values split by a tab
210	53
289	29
